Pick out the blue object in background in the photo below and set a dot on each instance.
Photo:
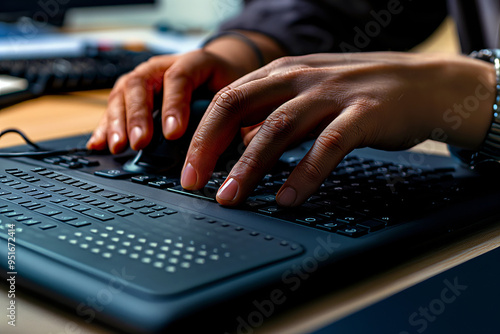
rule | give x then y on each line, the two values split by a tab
462	300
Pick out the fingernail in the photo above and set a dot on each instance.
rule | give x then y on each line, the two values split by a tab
135	135
115	138
171	125
90	143
229	190
189	177
287	197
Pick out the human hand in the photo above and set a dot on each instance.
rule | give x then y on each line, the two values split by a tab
128	117
382	100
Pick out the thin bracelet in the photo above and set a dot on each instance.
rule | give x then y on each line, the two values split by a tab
490	148
241	37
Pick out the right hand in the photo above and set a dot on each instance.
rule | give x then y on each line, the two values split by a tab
128	118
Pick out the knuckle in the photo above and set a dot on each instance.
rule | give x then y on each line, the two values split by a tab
279	124
230	102
174	72
135	115
310	171
199	146
251	163
331	141
282	62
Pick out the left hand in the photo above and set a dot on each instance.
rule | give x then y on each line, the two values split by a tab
383	100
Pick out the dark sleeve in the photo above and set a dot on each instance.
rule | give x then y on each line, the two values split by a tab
311	26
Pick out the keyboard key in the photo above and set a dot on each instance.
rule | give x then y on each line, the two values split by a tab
31	222
372	225
98	215
64	218
352	231
48	211
309	220
125	213
331	226
47	226
114	173
78	223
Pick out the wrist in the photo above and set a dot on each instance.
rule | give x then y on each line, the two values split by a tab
246	50
489	148
466	102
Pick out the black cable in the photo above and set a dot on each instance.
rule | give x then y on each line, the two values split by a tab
39	151
26	139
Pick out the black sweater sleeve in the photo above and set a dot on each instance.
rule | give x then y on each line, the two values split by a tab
311	26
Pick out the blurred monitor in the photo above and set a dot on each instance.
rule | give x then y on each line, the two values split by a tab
53	11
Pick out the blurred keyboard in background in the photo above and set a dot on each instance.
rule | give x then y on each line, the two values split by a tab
98	68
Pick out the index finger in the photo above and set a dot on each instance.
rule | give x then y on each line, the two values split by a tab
231	109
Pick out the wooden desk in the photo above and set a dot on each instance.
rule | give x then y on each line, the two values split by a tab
55	116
